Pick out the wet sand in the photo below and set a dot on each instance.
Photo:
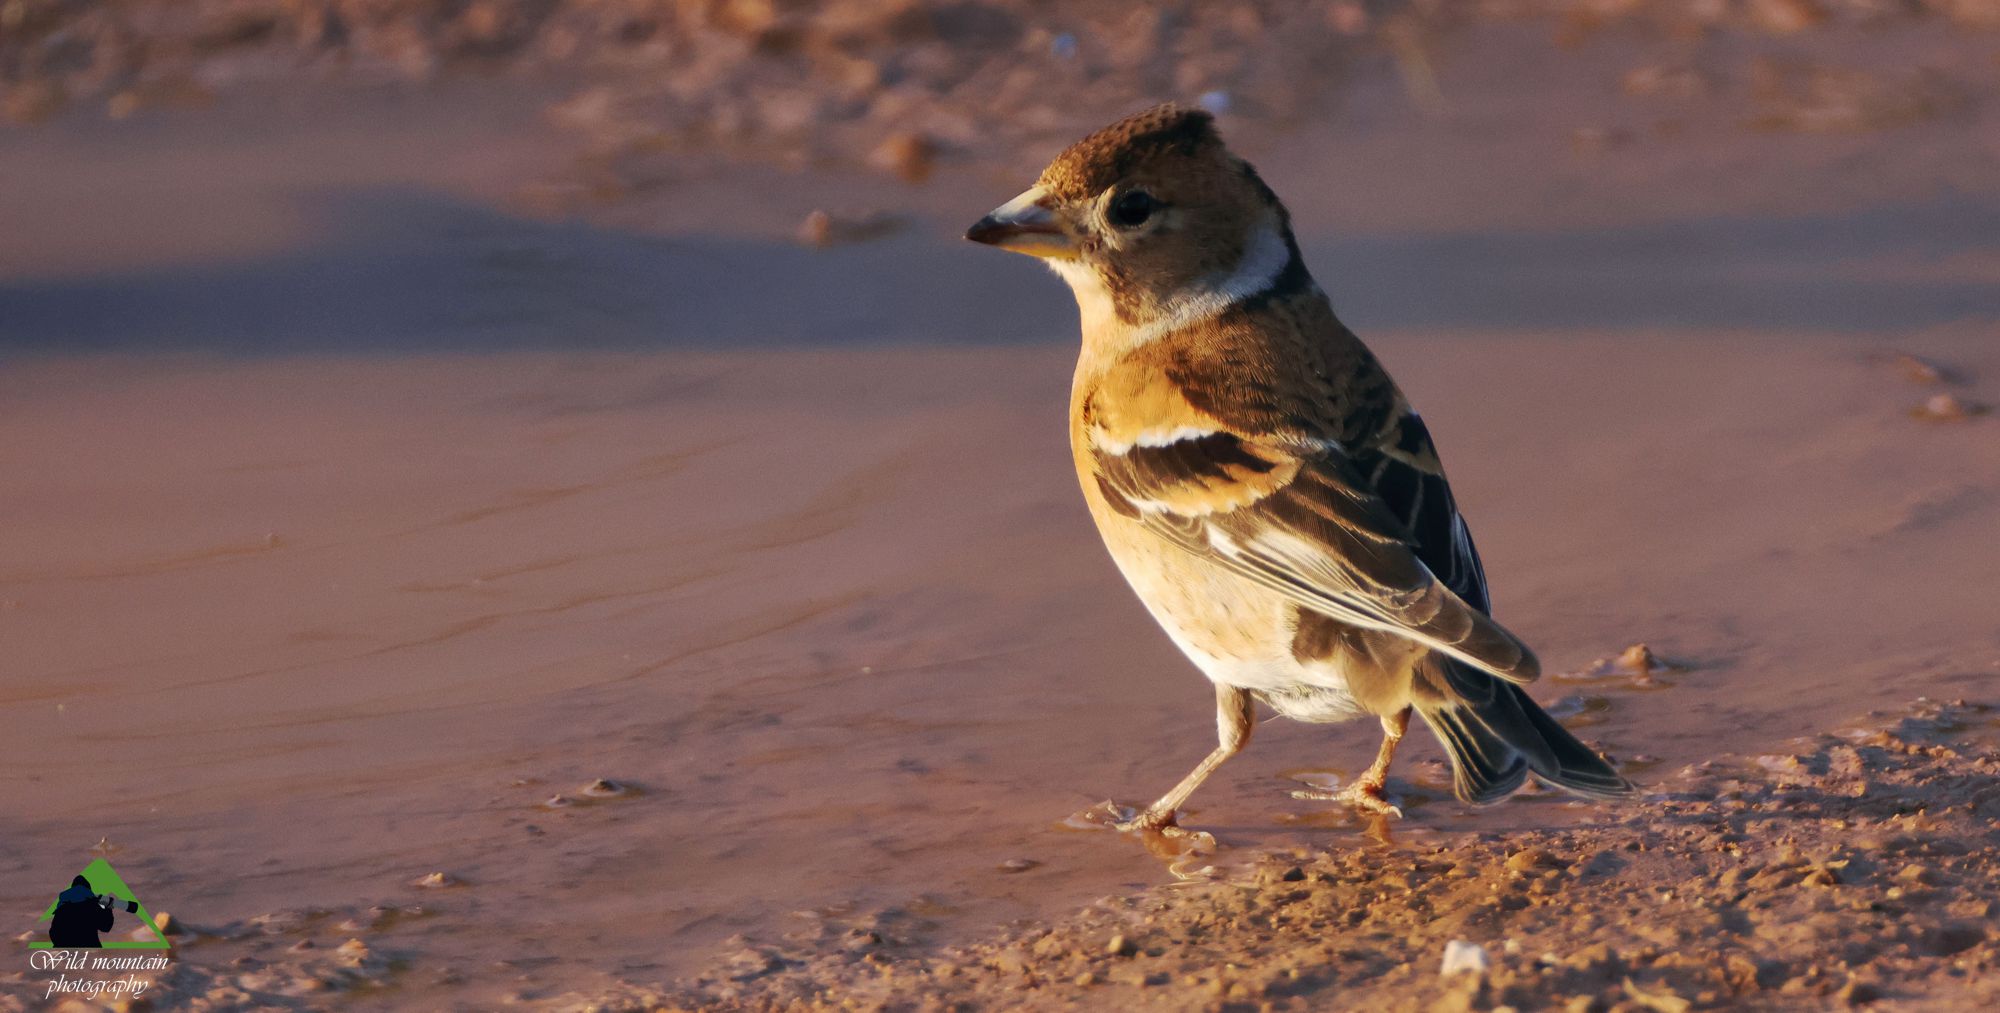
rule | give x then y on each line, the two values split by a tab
323	627
360	520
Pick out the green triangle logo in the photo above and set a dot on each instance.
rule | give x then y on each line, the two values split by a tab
111	896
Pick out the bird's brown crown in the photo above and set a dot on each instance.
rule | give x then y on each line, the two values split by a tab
1115	152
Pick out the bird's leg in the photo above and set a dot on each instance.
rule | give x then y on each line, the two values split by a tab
1234	716
1365	793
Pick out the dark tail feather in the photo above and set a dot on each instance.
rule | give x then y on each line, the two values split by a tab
1497	736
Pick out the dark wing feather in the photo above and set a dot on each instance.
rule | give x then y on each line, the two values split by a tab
1405	472
1295	517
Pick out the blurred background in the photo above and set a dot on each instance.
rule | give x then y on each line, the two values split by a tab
312	158
540	486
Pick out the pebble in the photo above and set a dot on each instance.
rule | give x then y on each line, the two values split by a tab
1857	992
1659	1000
1462	957
1010	962
603	788
373	918
1920	370
1784	17
434	881
1528	860
909	156
1119	946
32	101
1013	865
1947	407
822	229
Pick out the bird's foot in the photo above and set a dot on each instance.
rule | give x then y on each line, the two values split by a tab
1364	796
1367	797
1151	821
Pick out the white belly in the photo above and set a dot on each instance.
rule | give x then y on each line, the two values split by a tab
1238	633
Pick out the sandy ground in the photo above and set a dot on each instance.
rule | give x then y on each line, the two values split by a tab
1857	868
373	617
360	522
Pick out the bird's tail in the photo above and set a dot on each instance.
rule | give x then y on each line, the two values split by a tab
1497	736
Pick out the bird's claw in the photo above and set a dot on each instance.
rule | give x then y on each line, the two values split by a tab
1371	802
1361	795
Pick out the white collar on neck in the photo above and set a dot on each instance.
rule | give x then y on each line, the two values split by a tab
1263	260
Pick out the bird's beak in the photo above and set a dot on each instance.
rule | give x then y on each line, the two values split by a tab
1026	224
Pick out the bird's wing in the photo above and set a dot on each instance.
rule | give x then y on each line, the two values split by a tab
1295	515
1403	469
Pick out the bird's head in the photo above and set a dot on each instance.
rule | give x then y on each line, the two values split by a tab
1152	221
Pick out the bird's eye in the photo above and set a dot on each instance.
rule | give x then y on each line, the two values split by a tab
1130	209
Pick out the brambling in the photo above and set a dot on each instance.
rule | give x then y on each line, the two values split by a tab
1260	480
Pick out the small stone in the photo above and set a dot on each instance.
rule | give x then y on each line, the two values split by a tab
1783	17
1920	370
750	962
373	918
1528	860
821	229
817	229
1947	407
1010	962
1293	875
908	156
1660	1000
603	788
1461	957
1857	992
1640	658
434	881
168	924
1014	865
1132	976
1119	946
1348	18
32	101
122	105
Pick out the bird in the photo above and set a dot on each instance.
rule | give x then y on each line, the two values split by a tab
1261	482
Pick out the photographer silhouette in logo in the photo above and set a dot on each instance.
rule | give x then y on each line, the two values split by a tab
81	914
